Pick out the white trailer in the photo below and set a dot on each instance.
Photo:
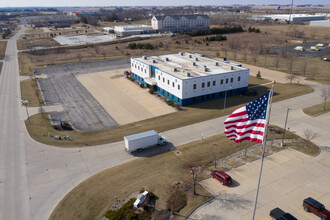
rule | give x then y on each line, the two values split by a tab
143	140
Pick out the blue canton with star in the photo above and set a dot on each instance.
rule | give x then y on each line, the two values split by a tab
258	108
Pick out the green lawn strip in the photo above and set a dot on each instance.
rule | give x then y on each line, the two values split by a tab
3	45
91	198
189	115
317	109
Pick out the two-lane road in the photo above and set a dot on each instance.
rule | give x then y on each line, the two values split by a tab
14	196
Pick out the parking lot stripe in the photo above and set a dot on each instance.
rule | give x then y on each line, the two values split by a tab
274	163
327	188
242	175
301	212
263	166
293	156
266	218
250	169
282	159
219	185
321	196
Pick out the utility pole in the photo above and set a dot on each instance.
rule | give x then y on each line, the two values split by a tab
290	11
286	120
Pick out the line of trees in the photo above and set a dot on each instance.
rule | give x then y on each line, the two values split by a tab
147	46
216	38
224	30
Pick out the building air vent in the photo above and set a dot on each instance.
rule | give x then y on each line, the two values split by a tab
217	63
196	58
175	69
187	74
167	59
144	57
231	68
181	53
154	61
190	56
205	68
193	63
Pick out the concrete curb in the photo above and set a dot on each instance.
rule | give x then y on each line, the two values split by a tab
197	207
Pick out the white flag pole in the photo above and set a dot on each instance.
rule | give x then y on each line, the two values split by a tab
269	107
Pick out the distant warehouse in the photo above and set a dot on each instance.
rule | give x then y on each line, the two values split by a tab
179	23
321	23
129	30
187	78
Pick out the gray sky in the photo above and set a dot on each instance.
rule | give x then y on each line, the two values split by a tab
25	3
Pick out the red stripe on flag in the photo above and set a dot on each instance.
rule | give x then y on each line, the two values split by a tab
237	114
246	132
238	120
246	126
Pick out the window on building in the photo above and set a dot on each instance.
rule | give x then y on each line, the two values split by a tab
158	77
132	64
194	99
208	96
226	81
135	65
178	99
239	79
173	84
178	87
172	96
231	80
168	82
208	84
203	97
195	86
213	95
163	79
145	70
230	92
203	85
221	82
167	94
213	83
221	94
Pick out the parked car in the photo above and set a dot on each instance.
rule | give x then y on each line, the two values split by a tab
222	177
311	205
279	214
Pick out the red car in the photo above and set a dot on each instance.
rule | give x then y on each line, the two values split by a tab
223	177
311	205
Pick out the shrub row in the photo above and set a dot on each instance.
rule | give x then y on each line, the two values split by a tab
147	46
224	30
257	30
216	38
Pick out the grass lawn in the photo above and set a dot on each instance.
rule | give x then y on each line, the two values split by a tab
189	115
91	198
3	45
317	109
28	92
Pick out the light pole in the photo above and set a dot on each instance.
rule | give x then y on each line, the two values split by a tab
27	112
224	104
286	120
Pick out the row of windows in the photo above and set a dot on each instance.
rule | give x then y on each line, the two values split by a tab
138	67
208	96
168	82
214	82
165	93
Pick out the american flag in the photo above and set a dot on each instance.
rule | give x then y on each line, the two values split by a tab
248	122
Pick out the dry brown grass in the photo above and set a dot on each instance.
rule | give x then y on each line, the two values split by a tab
189	115
33	30
24	44
317	109
30	91
91	198
3	46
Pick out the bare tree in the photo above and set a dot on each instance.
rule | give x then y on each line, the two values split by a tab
265	60
291	77
309	135
304	67
79	56
325	93
255	56
214	156
290	64
195	169
277	60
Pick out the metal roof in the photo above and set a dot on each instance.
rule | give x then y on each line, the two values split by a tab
140	135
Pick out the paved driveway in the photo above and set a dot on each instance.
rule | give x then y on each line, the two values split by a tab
288	177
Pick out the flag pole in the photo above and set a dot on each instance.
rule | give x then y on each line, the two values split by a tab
270	99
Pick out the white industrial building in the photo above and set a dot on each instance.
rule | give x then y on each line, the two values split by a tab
179	23
287	17
128	30
321	23
187	78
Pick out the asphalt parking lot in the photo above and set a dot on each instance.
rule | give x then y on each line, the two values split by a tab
288	177
81	109
323	52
